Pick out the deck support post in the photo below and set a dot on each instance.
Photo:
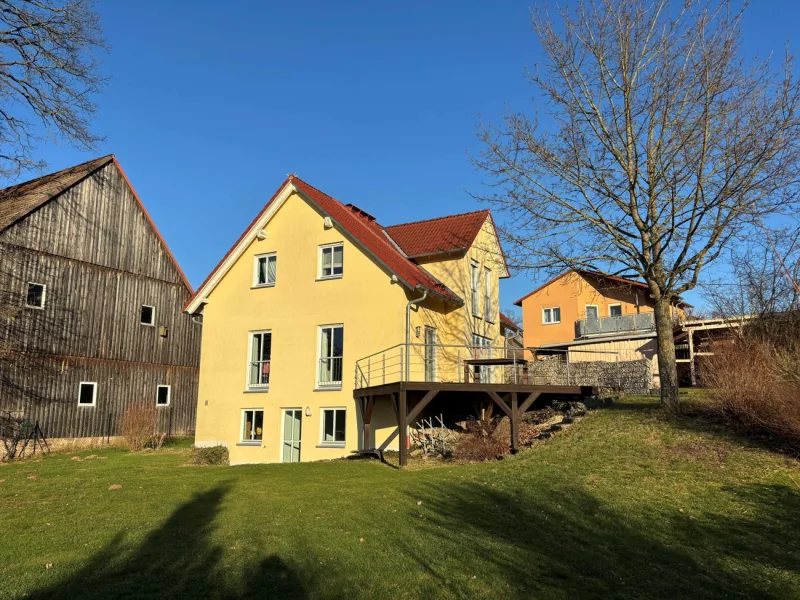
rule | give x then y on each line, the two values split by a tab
402	426
515	416
367	406
692	367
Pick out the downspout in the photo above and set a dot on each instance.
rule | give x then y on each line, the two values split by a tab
408	325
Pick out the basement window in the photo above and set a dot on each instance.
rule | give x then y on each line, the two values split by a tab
148	315
163	393
87	393
35	295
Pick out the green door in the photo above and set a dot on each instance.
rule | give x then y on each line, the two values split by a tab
292	421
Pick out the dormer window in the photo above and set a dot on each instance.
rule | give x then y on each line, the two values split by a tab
265	270
331	261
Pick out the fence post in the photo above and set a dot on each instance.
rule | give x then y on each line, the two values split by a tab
569	379
369	371
459	366
383	358
619	377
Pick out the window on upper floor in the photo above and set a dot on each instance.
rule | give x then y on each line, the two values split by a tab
265	270
35	295
333	426
147	316
331	261
474	277
615	310
331	349
258	371
551	315
488	305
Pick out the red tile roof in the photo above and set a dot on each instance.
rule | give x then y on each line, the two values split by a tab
437	236
597	275
504	320
363	227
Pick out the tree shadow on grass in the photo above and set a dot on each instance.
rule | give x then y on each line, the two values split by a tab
569	544
175	561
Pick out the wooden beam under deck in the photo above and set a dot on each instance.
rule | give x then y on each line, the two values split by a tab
498	388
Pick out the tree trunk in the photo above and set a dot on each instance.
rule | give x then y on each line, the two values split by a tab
667	367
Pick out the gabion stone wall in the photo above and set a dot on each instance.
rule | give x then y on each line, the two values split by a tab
633	376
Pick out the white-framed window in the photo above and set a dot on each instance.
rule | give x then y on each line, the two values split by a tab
35	295
615	310
163	393
147	316
87	393
592	312
488	308
331	261
252	424
260	357
265	270
474	277
333	426
482	348
551	315
331	350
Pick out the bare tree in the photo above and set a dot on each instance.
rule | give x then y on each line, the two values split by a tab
49	74
663	147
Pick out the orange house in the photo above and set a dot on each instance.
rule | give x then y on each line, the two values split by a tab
586	305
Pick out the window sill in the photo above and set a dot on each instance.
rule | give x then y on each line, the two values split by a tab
253	444
34	307
328	388
162	405
337	445
147	324
86	405
553	323
329	278
256	390
263	285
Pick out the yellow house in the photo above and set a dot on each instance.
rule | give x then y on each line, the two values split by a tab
316	298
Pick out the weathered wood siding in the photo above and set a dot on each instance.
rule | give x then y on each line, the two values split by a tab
101	261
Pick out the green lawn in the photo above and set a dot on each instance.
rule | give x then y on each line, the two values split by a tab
623	504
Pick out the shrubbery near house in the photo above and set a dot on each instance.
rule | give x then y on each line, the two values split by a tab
213	455
139	427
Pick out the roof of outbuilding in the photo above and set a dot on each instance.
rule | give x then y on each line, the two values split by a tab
18	201
507	322
439	235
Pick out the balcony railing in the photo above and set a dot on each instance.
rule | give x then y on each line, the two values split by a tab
330	372
440	363
611	325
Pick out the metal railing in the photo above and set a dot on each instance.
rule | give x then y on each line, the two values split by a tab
608	325
330	371
443	363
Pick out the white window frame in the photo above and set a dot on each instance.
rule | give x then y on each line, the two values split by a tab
44	295
551	321
243	420
256	259
475	287
488	305
152	322
257	387
321	252
169	395
94	393
610	306
586	311
322	441
335	385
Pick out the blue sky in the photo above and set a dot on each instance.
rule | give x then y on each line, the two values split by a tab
376	103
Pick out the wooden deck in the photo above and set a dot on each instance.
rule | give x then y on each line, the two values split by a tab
512	398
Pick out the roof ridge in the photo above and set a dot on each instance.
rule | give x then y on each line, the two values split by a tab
109	157
464	214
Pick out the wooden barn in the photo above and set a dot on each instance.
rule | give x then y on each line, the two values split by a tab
90	307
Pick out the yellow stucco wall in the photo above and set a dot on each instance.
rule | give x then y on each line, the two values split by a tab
364	300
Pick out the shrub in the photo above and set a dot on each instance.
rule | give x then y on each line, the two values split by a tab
480	443
139	427
755	382
212	455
